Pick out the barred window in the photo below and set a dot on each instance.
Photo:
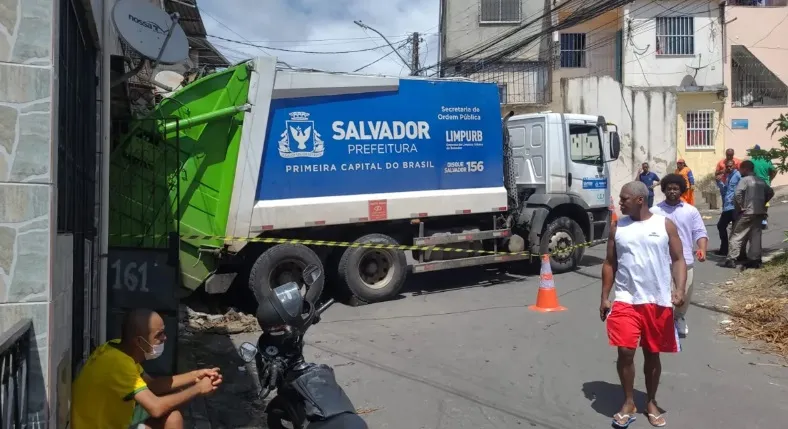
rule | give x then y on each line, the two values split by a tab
758	3
502	95
573	50
700	129
500	11
676	35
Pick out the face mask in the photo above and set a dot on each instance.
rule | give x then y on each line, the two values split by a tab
155	352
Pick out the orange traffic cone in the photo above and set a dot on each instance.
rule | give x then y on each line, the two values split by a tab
547	297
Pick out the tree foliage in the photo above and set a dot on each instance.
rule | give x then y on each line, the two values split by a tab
778	155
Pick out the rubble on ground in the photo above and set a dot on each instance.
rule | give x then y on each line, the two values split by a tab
759	306
231	322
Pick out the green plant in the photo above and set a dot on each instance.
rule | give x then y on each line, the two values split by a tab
778	125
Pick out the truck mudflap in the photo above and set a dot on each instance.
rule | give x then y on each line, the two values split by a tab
533	218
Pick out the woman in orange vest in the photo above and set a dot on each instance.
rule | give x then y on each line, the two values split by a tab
682	169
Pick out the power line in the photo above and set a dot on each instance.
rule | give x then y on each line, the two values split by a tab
296	51
373	62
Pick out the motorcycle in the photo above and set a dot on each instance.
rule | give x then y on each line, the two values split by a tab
307	393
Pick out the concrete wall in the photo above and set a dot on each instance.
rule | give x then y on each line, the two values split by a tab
600	55
464	32
701	161
763	31
646	121
27	170
642	67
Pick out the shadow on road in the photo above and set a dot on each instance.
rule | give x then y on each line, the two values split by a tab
607	398
235	404
463	278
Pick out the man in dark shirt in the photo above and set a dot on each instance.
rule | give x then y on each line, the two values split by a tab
649	179
750	198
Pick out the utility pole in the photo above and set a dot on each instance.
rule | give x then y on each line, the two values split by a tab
367	27
414	68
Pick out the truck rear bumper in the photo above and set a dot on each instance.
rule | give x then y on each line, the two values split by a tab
348	209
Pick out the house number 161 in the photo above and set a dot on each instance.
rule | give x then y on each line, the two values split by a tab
132	276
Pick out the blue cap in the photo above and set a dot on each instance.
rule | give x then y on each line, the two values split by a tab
757	147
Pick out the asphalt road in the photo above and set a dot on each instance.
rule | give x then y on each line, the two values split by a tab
465	352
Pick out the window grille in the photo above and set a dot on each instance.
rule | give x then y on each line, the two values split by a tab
502	95
500	11
700	129
573	50
676	35
758	3
752	83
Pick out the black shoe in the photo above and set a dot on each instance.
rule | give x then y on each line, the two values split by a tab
753	264
729	263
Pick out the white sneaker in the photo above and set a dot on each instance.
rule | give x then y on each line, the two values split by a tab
681	326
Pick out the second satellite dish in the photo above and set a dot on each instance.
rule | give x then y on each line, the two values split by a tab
150	31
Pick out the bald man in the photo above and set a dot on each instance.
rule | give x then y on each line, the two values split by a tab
113	391
644	253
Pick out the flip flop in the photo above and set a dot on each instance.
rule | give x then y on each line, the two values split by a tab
653	418
628	417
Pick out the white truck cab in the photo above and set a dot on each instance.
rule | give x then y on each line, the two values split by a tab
561	167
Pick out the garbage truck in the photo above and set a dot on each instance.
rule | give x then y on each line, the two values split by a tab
266	170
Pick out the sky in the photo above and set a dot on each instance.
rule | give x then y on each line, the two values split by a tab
324	26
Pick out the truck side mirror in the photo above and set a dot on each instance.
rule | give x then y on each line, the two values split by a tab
615	145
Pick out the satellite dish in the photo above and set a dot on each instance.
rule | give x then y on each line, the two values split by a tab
150	31
169	79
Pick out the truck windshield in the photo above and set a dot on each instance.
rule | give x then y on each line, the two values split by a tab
585	146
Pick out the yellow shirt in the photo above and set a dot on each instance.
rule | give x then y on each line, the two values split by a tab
103	394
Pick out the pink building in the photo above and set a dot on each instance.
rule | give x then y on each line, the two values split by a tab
755	40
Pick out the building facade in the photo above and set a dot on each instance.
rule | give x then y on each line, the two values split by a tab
53	117
520	65
677	45
670	49
756	73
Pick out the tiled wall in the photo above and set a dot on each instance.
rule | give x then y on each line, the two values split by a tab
26	175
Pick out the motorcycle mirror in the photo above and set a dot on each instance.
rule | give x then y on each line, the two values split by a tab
247	351
311	274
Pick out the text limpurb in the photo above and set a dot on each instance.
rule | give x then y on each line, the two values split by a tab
464	136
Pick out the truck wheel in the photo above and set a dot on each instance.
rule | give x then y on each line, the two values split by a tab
374	275
284	263
562	233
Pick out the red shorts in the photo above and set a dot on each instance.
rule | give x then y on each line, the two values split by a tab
650	324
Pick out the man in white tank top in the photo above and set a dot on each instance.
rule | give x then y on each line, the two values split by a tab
644	254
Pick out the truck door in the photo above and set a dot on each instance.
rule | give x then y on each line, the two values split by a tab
585	165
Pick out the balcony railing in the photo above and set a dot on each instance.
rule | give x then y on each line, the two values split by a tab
758	3
14	374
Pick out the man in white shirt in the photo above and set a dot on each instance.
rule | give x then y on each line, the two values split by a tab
692	230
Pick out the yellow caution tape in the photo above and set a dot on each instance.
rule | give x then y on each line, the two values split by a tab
328	243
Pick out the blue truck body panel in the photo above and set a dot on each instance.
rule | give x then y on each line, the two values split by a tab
427	135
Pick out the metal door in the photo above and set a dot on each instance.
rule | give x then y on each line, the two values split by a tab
77	165
143	267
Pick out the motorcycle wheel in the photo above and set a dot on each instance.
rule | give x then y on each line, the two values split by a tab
282	415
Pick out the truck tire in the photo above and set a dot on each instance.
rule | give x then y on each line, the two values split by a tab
560	233
373	275
284	263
